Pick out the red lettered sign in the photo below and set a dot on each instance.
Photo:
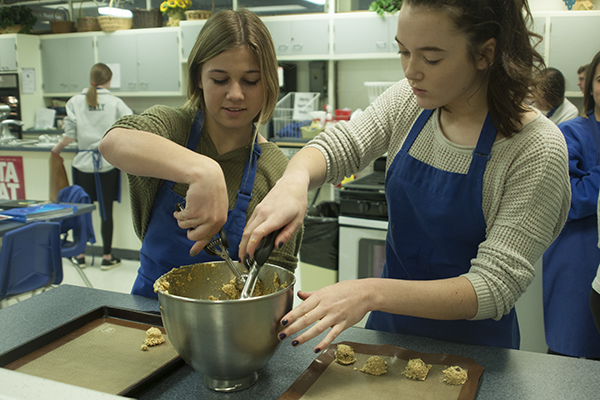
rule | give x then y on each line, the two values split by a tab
12	182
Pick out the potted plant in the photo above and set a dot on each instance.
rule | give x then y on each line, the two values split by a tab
18	19
175	10
385	6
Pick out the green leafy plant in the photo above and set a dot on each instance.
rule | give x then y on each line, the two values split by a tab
20	15
385	6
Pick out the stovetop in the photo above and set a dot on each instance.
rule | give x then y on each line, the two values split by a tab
373	181
365	197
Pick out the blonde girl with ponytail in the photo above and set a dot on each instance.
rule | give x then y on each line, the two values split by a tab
89	115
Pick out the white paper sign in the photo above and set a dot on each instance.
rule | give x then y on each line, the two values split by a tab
115	82
302	109
28	80
44	118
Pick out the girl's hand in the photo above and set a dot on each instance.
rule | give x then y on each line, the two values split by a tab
338	307
206	209
284	206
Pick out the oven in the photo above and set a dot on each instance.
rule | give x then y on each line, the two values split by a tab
362	247
10	95
363	225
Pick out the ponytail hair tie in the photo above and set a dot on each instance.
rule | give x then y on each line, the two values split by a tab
94	84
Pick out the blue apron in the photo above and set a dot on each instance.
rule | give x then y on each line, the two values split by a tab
436	224
97	159
570	265
166	245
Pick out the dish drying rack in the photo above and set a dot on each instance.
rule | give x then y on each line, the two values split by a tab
375	89
284	124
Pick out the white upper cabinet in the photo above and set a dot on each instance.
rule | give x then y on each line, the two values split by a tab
148	60
120	50
539	27
189	34
158	62
300	37
574	40
8	54
151	60
366	34
66	63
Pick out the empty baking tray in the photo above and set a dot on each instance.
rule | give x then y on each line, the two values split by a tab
100	350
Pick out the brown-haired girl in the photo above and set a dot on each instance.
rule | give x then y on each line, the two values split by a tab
477	182
207	153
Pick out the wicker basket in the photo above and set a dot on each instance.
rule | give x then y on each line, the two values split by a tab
62	26
147	18
200	14
197	14
110	24
87	24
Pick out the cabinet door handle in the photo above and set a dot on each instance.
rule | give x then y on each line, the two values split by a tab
298	47
143	85
283	47
381	45
132	85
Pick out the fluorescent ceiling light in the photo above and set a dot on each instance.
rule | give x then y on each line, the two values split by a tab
275	8
115	12
319	2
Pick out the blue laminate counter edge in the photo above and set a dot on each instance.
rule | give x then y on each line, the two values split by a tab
508	374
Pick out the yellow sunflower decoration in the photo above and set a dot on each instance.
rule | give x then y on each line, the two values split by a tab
175	10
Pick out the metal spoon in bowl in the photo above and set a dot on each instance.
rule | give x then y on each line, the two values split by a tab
263	251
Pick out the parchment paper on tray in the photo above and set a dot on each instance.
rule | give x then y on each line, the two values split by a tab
327	379
104	355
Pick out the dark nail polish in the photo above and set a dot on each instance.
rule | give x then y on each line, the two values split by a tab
280	245
193	253
317	350
281	336
247	257
295	343
284	322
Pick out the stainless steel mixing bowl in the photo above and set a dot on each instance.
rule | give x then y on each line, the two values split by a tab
227	341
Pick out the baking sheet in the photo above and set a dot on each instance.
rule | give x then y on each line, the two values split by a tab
326	379
100	351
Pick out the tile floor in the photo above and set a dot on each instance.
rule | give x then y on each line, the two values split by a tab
118	279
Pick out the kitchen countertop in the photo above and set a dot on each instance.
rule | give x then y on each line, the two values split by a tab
33	145
508	374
